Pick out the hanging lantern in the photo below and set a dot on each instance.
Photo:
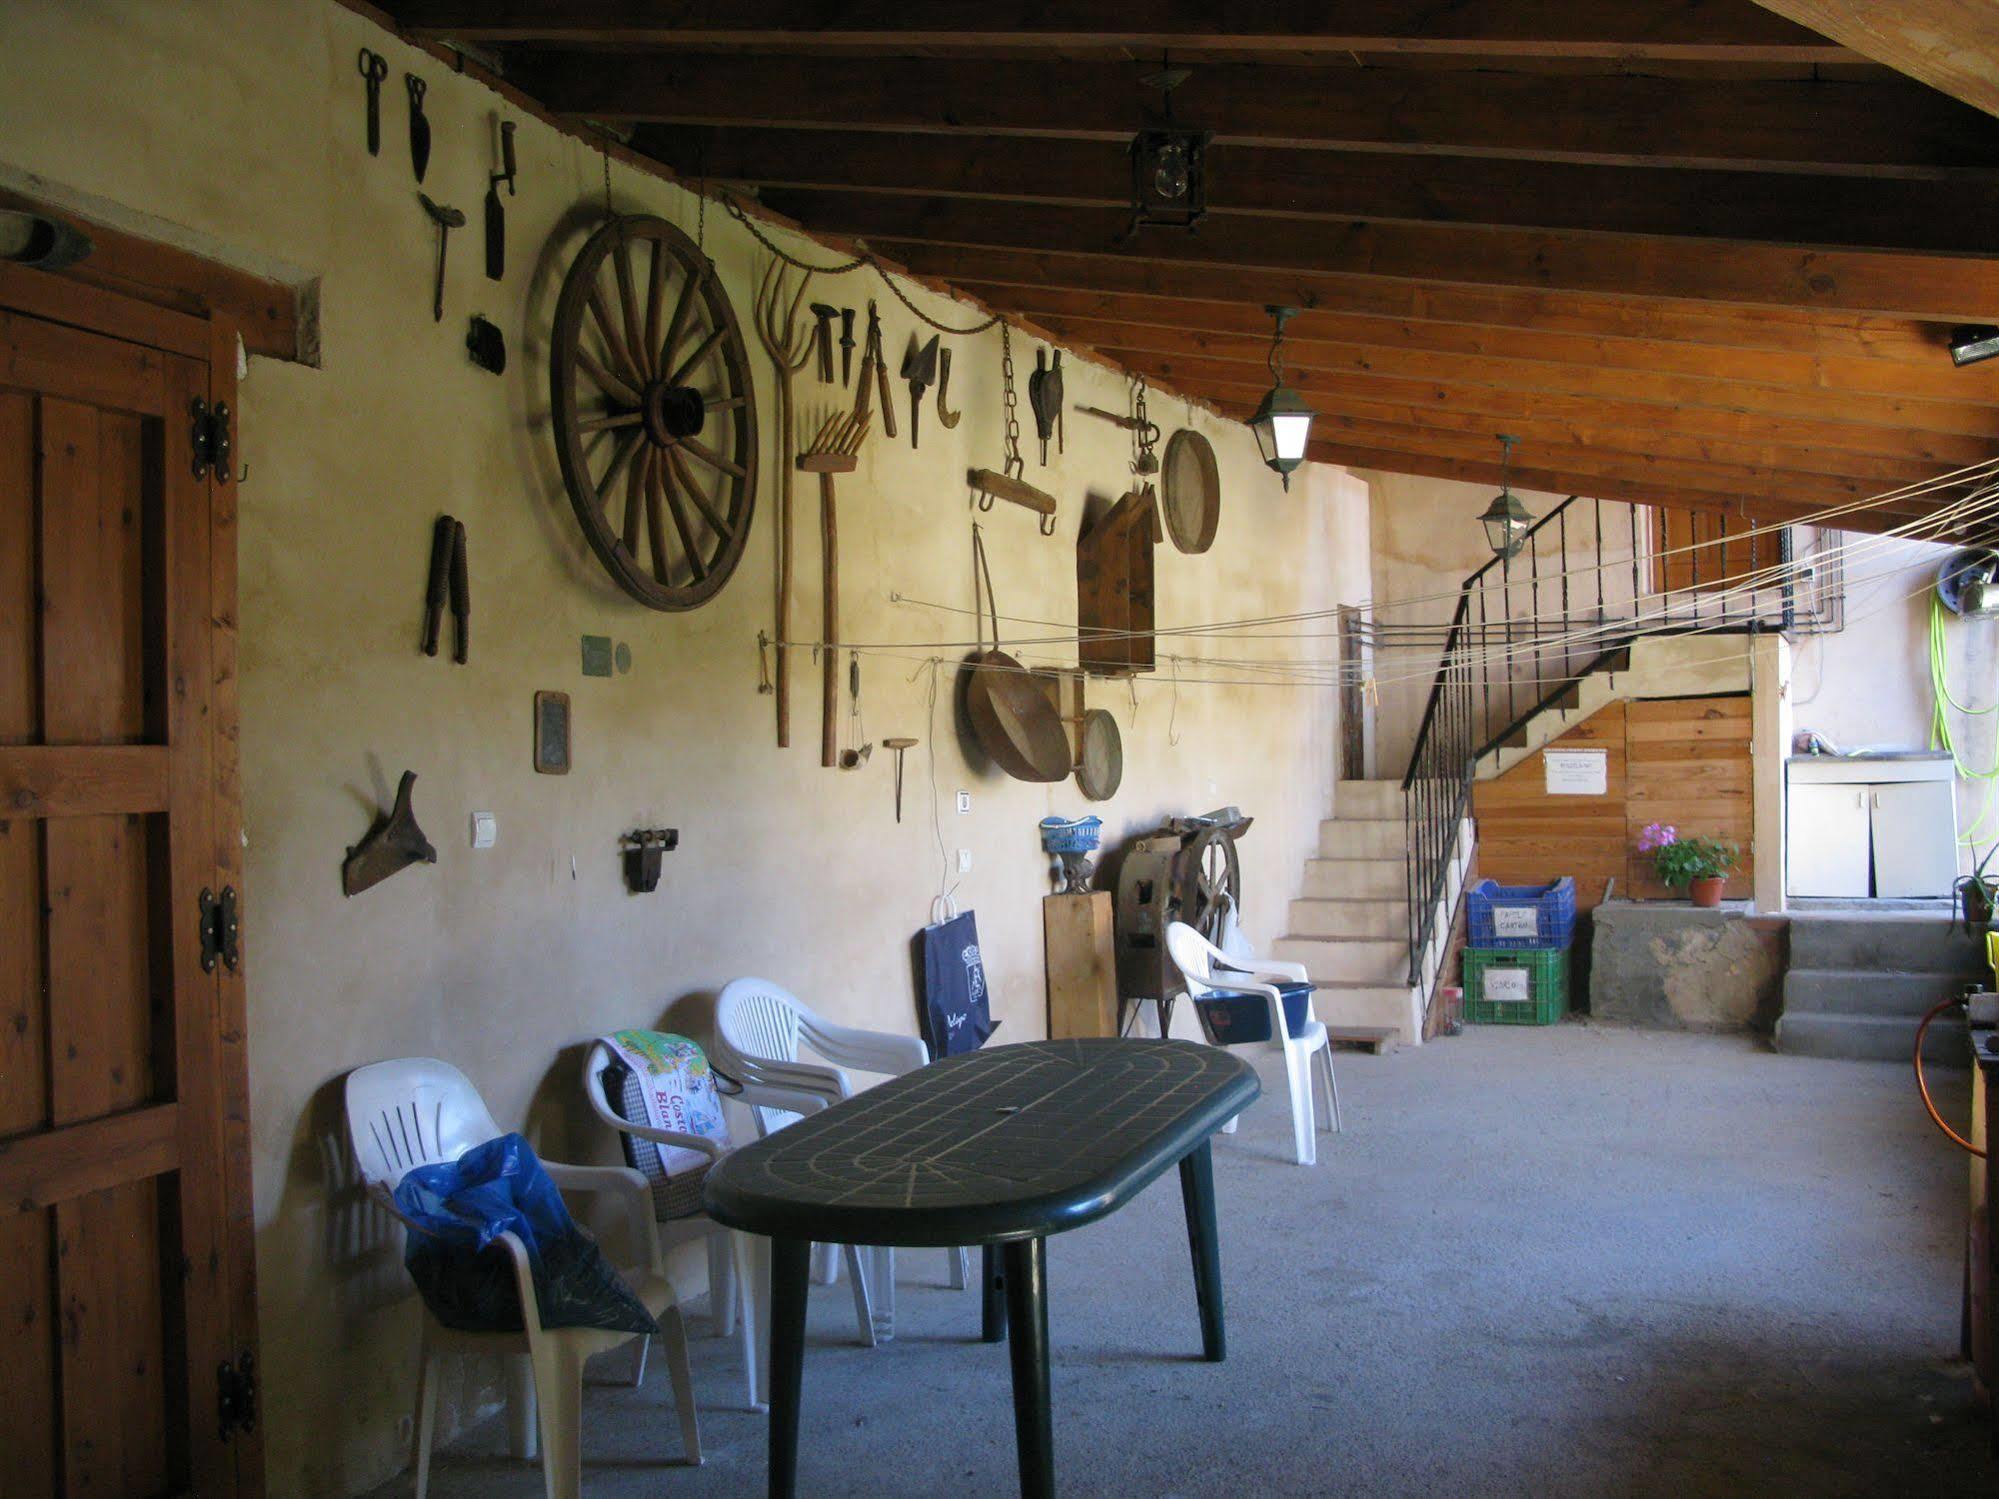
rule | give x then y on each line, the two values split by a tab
1283	421
1169	180
1506	520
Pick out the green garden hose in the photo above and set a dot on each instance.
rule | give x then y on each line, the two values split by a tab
1940	730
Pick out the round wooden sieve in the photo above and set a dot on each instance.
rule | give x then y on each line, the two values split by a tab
1100	763
1191	491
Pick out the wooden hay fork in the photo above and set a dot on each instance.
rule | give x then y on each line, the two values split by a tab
833	451
788	350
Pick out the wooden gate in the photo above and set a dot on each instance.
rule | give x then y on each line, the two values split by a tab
126	1277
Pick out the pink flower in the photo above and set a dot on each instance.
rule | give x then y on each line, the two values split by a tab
1656	836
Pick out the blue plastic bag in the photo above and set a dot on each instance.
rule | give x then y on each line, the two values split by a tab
456	1209
957	1012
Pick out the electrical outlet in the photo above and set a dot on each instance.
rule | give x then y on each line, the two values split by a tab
965	805
964	861
485	829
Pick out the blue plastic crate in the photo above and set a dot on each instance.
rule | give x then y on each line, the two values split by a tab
1536	918
1237	1019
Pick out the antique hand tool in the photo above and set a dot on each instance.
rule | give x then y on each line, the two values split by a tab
446	219
919	368
1044	398
442	537
944	413
374	68
822	338
898	744
496	215
419	126
874	362
832	451
777	329
393	844
461	597
1009	483
846	345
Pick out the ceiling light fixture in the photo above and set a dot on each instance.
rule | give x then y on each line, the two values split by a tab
1506	520
1283	421
1169	180
1973	342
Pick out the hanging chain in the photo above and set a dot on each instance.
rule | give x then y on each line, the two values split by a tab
1015	466
701	202
1140	443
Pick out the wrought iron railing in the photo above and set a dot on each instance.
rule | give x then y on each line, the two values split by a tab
1570	601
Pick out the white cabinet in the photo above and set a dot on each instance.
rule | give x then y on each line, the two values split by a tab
1861	826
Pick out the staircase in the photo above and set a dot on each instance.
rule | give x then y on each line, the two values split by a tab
1350	927
1859	983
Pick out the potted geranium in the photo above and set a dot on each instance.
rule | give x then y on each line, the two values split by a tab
1700	865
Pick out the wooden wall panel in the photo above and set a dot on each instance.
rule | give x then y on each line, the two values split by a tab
1682	761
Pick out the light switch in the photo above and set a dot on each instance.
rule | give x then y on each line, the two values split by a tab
964	801
485	829
964	861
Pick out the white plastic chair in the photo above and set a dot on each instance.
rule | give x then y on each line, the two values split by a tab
728	1251
418	1111
760	1028
1209	970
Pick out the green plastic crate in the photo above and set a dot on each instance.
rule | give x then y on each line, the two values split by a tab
1489	970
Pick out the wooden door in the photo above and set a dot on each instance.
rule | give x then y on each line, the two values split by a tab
125	1275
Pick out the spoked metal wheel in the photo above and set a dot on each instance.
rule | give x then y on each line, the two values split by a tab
654	413
1210	881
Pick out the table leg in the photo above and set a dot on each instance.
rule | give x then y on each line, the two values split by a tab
1027	1318
992	1292
790	1264
1197	1192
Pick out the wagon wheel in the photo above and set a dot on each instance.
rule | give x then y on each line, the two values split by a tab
654	413
1210	881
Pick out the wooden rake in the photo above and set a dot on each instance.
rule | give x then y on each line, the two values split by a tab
835	450
777	328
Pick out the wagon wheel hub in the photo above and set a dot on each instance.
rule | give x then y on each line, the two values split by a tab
672	412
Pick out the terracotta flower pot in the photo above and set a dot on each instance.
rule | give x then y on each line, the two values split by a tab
1706	891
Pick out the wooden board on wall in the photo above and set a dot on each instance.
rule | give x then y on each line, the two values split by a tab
1682	761
1082	965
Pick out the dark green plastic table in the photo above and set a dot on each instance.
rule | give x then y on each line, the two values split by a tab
999	1148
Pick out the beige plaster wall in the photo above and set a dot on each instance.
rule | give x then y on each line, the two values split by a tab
239	123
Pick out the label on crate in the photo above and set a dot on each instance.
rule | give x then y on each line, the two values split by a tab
1504	986
1516	921
1576	772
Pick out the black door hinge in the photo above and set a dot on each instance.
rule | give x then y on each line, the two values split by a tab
236	1395
211	439
218	928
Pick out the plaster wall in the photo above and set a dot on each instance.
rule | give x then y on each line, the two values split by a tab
239	122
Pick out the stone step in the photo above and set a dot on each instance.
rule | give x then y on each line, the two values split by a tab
1362	838
1356	879
1366	960
1367	799
1844	991
1350	918
1910	943
1872	1038
1355	1006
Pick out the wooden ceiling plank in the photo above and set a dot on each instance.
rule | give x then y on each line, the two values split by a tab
1952	45
1925	287
1633	30
1893	341
1804	124
1935	378
1247	354
1766	207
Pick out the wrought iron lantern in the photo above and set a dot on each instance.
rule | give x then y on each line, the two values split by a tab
1169	179
1283	421
1506	520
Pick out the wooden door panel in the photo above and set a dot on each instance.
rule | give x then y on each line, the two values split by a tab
113	1200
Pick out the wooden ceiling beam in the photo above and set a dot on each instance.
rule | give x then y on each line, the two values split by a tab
1632	30
1803	124
1952	45
1934	379
1503	406
1922	287
1770	207
1201	352
1891	342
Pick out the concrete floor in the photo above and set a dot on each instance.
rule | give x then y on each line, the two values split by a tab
1581	1260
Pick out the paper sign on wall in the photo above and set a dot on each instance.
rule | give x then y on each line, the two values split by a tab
1577	772
1504	986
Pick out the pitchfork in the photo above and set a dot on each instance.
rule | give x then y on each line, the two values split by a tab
788	352
832	452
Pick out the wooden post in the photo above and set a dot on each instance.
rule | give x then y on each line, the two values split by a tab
1082	965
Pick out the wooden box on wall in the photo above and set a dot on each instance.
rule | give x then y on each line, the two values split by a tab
1114	602
1082	965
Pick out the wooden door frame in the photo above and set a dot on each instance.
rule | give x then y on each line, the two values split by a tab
212	342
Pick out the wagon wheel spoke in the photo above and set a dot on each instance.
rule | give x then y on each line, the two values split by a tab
716	523
610	420
700	353
662	570
621	357
628	304
722	403
635	480
676	325
712	458
612	385
663	484
655	295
